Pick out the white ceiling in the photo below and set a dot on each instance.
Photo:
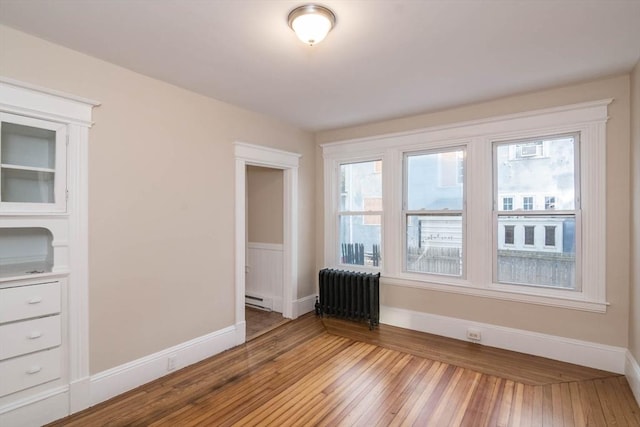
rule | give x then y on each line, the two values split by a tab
384	59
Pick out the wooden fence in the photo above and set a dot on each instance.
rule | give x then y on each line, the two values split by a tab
354	253
435	260
537	268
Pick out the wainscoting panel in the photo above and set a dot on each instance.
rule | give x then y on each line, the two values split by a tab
264	275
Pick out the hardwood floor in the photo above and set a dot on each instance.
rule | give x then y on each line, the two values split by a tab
325	372
260	321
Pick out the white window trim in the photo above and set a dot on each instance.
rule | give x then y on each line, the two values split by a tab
589	119
406	212
332	211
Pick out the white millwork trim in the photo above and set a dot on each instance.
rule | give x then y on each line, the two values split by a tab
38	410
555	116
79	394
266	246
632	372
586	119
305	305
19	98
39	397
78	208
255	155
241	332
70	247
584	353
264	279
115	381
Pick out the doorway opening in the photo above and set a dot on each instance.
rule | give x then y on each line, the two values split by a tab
264	251
286	163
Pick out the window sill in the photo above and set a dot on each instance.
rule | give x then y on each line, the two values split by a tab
357	268
464	287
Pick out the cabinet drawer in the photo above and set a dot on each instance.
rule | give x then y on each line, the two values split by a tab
29	336
23	302
30	370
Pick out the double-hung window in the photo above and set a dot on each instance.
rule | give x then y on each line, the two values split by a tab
546	255
360	213
509	207
433	209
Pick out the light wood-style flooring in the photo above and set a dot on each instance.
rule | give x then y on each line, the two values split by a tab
260	321
314	371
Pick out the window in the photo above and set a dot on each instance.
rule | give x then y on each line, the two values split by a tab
550	235
360	213
507	203
433	213
532	263
549	202
523	170
451	167
509	234
372	204
529	235
529	150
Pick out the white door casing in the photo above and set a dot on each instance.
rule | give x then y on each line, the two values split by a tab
256	155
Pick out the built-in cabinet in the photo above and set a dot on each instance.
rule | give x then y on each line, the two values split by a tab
32	164
43	254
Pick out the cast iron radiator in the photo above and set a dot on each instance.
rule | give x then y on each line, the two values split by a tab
351	295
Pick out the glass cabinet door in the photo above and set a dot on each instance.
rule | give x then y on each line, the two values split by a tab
32	165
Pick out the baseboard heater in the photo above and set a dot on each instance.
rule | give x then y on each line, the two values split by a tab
259	302
350	295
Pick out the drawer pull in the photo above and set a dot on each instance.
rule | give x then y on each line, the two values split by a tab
35	334
35	300
34	370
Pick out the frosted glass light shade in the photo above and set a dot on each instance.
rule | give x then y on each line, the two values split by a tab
311	23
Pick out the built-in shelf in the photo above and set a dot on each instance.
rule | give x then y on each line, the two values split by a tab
24	270
25	251
28	146
32	161
21	185
26	168
43	247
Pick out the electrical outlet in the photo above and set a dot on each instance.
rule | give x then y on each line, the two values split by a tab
474	335
171	362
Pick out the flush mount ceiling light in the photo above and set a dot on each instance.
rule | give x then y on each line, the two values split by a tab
311	23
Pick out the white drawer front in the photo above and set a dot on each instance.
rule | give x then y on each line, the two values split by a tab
29	336
23	302
30	370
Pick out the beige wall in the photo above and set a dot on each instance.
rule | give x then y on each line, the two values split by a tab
265	189
634	315
610	328
161	204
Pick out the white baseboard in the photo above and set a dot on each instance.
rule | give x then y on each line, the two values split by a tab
241	332
584	353
115	381
304	305
79	395
37	410
632	372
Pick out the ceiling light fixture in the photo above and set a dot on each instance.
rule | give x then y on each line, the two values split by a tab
311	22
